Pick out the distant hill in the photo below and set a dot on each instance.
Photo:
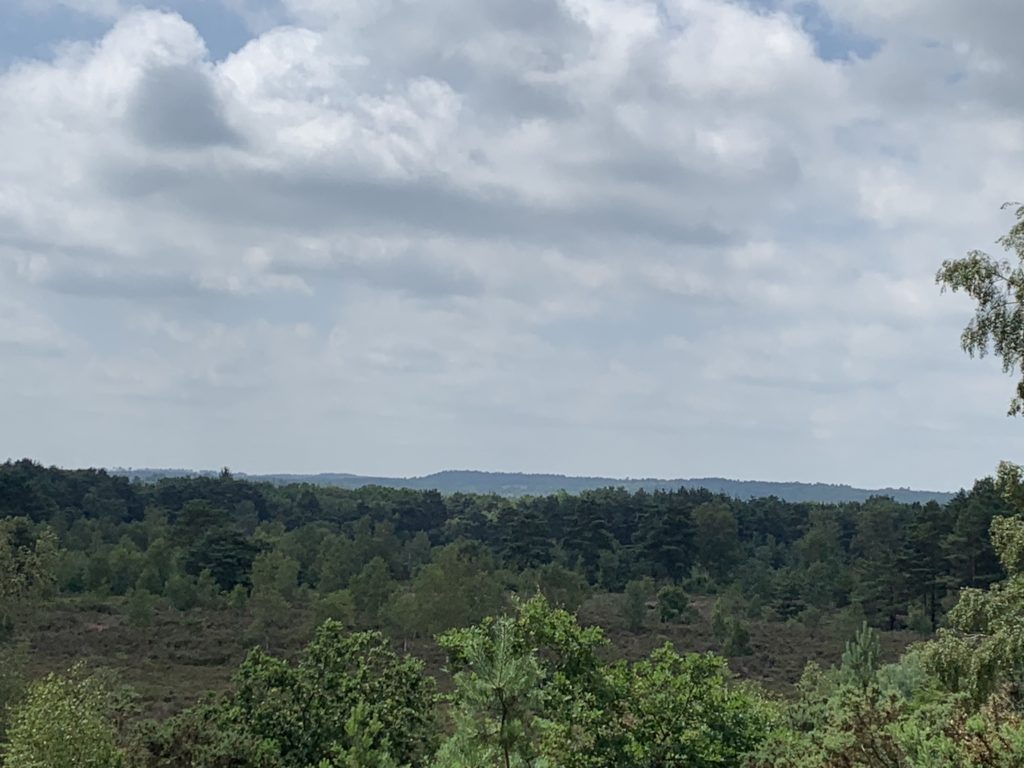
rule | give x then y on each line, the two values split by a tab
520	484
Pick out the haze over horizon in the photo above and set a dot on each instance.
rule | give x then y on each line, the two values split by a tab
241	472
644	238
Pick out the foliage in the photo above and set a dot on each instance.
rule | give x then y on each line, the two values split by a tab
457	589
497	703
419	563
686	712
371	588
13	658
64	722
861	658
337	606
561	586
347	697
674	605
727	627
28	559
140	606
981	648
634	603
997	287
578	708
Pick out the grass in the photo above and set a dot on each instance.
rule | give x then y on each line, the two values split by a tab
181	656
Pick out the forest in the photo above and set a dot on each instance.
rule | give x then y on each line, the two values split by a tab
215	621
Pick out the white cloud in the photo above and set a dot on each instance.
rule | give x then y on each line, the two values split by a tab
617	236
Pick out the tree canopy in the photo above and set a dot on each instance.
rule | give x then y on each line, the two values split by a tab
997	287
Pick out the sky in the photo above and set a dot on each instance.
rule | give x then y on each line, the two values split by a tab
632	238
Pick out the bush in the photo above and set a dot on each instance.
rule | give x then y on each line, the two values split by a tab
238	598
562	587
674	605
918	620
634	603
686	711
737	640
700	582
811	617
348	698
140	607
181	592
731	633
337	606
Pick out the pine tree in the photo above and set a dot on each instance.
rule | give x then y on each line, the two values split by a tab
498	698
861	658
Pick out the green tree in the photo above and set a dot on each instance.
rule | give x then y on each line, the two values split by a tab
225	552
366	738
334	565
967	548
979	650
338	606
524	536
716	538
497	701
159	564
674	605
580	716
140	605
278	572
861	658
348	701
729	630
97	572
457	589
208	593
181	592
687	712
923	561
196	519
820	557
304	708
28	560
879	584
634	603
997	287
665	536
563	588
371	588
13	660
64	722
587	534
126	563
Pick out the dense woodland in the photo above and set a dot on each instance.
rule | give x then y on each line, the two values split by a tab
495	585
417	563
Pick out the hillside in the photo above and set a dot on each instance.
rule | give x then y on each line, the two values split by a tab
515	484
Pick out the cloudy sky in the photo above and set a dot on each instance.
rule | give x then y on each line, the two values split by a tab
621	237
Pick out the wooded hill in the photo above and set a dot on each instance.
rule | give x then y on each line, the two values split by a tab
523	484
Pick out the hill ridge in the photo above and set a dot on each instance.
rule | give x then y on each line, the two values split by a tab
538	484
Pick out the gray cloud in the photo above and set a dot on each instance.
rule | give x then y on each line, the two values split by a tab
176	107
317	202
